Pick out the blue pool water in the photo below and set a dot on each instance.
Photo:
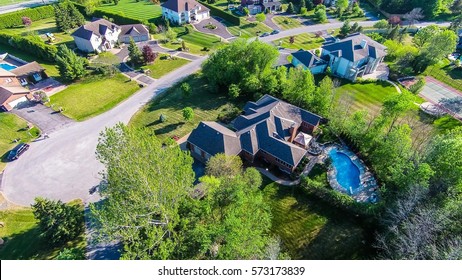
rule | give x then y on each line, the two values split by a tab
347	172
7	67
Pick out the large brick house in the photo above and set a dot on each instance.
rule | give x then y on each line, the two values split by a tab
269	129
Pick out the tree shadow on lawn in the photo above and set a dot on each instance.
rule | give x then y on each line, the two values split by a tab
343	236
168	128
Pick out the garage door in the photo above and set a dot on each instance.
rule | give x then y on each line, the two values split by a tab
17	101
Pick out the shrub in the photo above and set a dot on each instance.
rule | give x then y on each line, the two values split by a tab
71	254
214	11
418	86
228	113
34	14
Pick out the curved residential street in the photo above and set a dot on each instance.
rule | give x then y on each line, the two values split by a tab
64	166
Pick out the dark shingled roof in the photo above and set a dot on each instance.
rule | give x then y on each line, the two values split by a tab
133	30
98	27
350	48
307	58
265	126
28	69
215	138
180	6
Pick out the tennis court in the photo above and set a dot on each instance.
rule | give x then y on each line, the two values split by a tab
434	91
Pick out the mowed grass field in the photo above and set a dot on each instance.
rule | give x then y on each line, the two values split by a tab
195	41
247	29
93	96
162	65
13	127
142	10
22	237
306	41
206	106
286	22
310	229
11	2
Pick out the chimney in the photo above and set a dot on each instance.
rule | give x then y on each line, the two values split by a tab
363	44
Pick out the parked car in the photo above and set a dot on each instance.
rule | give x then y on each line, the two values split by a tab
264	34
17	151
275	31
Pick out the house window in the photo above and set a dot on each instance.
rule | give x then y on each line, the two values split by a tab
23	81
37	77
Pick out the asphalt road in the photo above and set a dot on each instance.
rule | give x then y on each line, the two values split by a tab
19	6
64	166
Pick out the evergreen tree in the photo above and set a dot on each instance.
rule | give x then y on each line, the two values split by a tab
309	4
70	65
136	57
345	29
67	16
291	8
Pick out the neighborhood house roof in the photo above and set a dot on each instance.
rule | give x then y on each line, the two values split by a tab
7	92
133	30
265	126
180	6
98	27
356	47
307	58
28	69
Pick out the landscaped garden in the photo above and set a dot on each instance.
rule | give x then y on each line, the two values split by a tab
93	96
247	29
163	65
286	22
206	105
23	238
11	128
306	41
142	10
311	229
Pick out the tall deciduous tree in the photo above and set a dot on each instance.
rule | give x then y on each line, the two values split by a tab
323	97
148	55
424	35
71	66
260	17
320	13
188	114
145	183
224	166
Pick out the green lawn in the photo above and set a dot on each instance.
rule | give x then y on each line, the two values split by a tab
286	22
445	72
13	127
142	10
195	41
306	41
162	65
247	29
206	106
310	229
22	237
10	2
40	27
93	96
50	68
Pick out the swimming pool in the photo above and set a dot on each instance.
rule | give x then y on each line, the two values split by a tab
7	66
347	173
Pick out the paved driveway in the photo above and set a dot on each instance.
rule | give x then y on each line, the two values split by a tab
43	117
219	31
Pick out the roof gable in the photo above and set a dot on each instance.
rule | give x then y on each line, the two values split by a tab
356	47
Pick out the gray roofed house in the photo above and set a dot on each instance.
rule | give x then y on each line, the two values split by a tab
354	56
265	130
137	32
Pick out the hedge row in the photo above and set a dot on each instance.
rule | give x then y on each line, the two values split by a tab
222	14
118	18
14	18
35	47
339	200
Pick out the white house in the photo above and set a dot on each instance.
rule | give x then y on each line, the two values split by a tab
184	11
353	56
97	36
